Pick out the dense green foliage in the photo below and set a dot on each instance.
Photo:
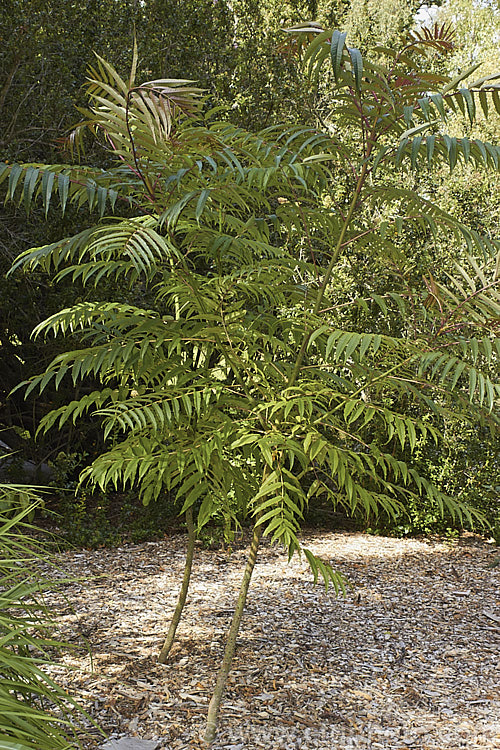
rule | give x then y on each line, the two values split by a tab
233	50
259	319
249	360
257	80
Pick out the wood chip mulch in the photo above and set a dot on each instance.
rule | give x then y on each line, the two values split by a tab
409	659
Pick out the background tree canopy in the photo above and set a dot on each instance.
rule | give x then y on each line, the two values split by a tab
237	51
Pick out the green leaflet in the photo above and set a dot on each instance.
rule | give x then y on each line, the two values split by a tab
483	100
15	173
438	102
319	567
401	152
496	100
30	182
337	45
468	97
357	65
431	144
63	187
451	146
316	52
468	71
48	178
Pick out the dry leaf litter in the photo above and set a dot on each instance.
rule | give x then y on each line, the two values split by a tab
408	659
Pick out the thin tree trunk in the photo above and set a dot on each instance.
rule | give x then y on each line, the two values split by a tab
213	709
169	640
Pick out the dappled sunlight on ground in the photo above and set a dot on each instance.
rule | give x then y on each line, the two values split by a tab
408	659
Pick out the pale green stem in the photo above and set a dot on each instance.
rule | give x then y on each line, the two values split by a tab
214	707
169	640
181	601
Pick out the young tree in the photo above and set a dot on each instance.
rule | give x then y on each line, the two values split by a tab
238	383
201	238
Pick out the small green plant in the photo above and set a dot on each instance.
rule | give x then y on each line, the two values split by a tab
36	714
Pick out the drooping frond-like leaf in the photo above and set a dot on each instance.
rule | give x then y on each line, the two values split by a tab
98	189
